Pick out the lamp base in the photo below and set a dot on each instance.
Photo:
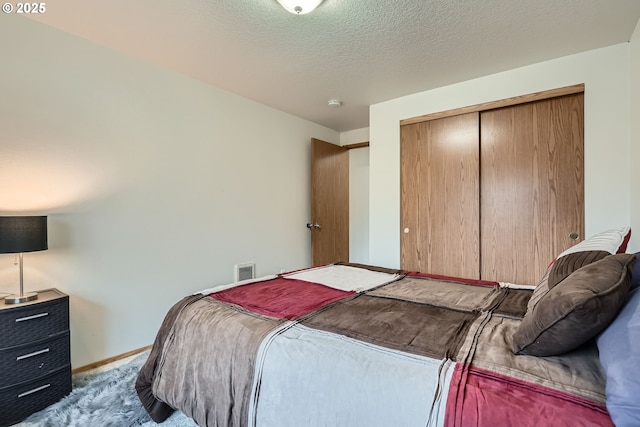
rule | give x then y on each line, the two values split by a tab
17	299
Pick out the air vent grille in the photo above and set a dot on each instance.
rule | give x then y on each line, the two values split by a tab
245	271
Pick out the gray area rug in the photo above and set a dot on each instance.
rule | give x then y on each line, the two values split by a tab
104	399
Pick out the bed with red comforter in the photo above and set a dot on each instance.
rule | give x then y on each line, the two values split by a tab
354	345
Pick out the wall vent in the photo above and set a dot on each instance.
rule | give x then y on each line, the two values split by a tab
245	271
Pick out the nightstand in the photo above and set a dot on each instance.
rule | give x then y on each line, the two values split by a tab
35	360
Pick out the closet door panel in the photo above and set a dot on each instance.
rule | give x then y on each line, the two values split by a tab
532	186
439	196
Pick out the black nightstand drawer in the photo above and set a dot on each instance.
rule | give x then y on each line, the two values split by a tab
21	400
26	362
35	363
33	322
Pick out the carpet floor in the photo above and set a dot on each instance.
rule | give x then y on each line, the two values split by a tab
103	399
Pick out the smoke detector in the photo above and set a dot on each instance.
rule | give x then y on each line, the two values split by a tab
334	103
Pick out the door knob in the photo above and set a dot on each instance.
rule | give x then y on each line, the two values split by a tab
310	226
574	236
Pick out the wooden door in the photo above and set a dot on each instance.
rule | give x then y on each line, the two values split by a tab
329	203
439	185
532	186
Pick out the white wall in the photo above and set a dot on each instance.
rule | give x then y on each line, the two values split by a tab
358	195
634	156
606	74
359	205
355	136
155	184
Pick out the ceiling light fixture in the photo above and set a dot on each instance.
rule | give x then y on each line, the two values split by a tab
300	7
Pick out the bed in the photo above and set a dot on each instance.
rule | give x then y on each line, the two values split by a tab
357	345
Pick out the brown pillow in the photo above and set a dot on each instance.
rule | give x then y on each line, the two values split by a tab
564	266
560	269
576	309
610	241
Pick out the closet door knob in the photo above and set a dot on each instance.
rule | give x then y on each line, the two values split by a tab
574	236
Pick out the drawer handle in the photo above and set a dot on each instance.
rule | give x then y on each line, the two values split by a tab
35	316
35	353
35	390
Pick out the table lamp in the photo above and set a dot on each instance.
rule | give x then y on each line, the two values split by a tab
19	234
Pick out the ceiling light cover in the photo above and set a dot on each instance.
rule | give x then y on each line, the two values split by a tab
300	7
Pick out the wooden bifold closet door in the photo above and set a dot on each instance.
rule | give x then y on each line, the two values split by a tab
532	186
494	194
439	196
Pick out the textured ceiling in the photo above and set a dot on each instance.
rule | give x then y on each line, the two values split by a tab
358	51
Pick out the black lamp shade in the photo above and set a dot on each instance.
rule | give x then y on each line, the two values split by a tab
23	234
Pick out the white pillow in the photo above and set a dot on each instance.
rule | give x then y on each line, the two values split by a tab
612	241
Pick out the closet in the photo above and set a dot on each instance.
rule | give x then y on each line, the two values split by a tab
493	191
